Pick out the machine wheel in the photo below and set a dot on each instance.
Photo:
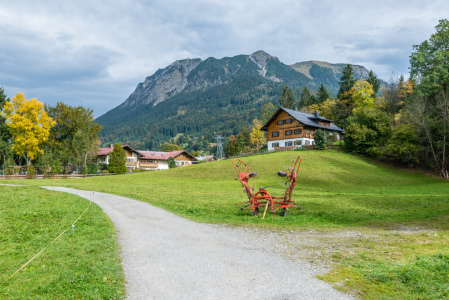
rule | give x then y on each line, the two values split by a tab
255	212
283	213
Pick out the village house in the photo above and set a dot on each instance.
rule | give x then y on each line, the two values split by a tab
292	128
147	160
103	154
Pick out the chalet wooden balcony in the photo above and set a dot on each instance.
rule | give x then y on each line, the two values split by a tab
143	165
131	163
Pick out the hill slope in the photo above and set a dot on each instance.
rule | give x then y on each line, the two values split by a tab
197	97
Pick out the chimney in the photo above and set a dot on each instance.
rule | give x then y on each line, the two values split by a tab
111	146
317	114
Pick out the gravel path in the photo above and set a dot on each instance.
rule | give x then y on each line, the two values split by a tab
169	257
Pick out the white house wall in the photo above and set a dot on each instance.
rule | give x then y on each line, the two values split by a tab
283	143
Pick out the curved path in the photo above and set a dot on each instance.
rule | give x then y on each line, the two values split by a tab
165	256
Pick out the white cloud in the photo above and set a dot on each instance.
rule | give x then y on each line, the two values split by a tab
94	53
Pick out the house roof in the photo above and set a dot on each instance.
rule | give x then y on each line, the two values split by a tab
105	151
142	154
206	157
162	155
311	120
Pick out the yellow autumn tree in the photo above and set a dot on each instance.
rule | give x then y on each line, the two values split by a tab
257	136
362	95
29	125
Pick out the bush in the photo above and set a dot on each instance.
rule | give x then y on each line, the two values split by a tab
321	139
56	167
31	173
138	170
92	169
171	163
105	171
117	160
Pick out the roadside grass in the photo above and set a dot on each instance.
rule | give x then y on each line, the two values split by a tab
337	191
30	219
395	266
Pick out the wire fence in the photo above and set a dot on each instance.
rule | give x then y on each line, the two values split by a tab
54	240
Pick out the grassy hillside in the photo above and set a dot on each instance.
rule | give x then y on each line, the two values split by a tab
334	189
402	249
30	219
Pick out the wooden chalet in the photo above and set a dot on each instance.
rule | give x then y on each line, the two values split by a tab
292	128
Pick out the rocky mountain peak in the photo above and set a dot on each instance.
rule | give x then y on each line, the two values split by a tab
260	58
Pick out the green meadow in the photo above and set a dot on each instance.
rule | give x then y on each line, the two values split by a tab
30	219
337	192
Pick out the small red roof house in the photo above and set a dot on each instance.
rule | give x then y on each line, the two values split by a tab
155	160
103	154
148	160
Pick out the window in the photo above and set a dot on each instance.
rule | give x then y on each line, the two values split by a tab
288	121
275	133
281	122
298	142
289	143
275	144
298	131
288	132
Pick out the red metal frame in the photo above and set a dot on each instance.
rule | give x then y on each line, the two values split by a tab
262	197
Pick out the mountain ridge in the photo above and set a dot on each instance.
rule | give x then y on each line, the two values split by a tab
221	93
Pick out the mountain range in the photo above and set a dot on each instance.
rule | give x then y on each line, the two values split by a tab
212	96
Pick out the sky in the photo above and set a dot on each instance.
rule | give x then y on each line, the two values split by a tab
94	53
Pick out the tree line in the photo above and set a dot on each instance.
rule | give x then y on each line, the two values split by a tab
402	121
44	136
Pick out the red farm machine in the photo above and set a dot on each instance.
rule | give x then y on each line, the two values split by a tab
262	198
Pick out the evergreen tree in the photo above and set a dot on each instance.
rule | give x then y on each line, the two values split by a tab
346	83
307	98
374	81
231	148
5	136
267	112
323	94
287	98
117	160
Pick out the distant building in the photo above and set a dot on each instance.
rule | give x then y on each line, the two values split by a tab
292	128
206	158
148	160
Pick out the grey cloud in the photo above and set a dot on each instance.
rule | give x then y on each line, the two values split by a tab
94	53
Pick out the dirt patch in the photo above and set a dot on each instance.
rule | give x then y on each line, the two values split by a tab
322	249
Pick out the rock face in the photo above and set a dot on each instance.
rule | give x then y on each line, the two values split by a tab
194	74
163	84
197	97
190	75
260	58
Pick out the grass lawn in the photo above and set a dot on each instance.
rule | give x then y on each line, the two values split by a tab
30	219
337	191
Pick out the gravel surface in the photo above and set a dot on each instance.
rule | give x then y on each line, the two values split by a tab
165	256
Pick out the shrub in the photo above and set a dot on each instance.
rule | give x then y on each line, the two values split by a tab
31	173
105	171
321	139
92	169
171	163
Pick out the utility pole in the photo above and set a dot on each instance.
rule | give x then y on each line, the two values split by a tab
220	152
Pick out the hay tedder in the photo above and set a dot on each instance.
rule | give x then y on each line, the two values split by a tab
262	198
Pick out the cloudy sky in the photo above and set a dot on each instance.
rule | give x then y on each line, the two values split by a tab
94	53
